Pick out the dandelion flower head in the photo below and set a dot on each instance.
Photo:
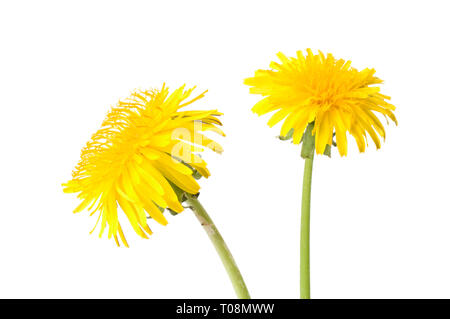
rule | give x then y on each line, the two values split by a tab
325	91
145	145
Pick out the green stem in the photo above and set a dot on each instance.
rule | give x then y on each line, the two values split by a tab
224	253
304	234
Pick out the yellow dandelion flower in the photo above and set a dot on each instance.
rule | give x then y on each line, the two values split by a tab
316	88
144	146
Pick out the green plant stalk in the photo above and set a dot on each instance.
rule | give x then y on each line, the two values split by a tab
308	147
304	233
219	244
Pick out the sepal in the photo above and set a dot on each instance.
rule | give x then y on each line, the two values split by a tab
288	136
308	142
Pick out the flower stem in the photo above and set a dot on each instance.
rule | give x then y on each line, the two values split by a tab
224	253
304	234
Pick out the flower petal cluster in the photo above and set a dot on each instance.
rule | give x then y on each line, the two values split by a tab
320	89
145	146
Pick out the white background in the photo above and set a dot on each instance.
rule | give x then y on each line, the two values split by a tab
380	220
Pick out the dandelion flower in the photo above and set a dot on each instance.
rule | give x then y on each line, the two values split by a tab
316	88
145	145
320	98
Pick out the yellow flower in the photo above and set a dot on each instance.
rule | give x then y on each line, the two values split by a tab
326	91
144	146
